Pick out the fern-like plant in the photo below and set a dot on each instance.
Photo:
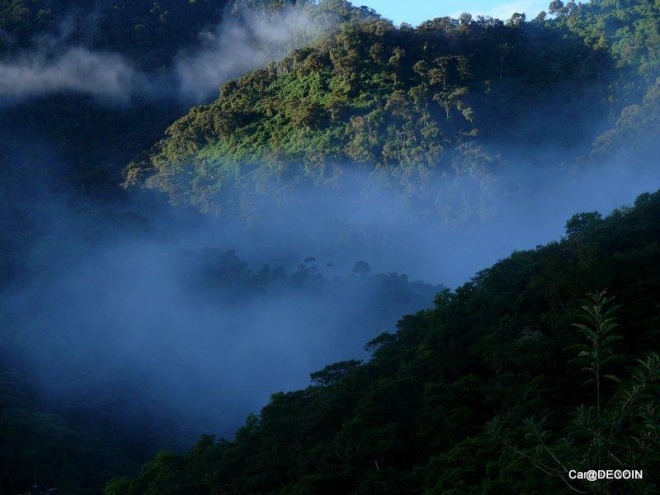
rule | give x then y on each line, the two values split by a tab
597	324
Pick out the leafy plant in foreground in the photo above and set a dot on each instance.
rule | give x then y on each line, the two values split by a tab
619	433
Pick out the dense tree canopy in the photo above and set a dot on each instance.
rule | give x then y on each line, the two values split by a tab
448	96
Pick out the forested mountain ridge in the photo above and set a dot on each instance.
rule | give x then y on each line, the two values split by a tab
488	390
450	96
68	71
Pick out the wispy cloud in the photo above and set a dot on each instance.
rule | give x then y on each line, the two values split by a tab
243	43
103	75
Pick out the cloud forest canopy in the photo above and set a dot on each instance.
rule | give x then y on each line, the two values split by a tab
450	96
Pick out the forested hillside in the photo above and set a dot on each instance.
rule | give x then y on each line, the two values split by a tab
472	96
61	47
208	203
492	389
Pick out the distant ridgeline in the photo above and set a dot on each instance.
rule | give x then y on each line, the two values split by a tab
504	385
463	97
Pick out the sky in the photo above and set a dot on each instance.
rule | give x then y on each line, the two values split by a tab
418	11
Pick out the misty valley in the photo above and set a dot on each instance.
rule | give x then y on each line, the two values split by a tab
289	247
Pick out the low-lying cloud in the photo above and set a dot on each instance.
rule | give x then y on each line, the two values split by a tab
77	69
128	312
244	41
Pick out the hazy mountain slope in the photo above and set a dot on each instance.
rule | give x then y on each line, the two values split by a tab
451	403
630	31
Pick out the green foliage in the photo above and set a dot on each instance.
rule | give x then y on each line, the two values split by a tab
598	436
582	223
597	327
170	474
624	435
402	102
42	448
